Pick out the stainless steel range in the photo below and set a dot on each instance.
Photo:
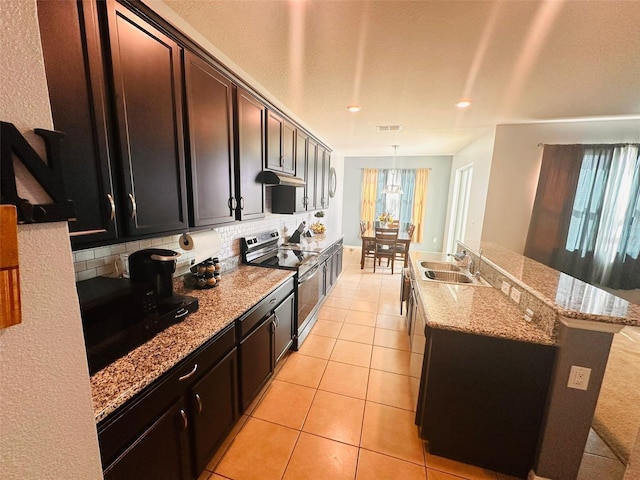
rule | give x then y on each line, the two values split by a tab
266	250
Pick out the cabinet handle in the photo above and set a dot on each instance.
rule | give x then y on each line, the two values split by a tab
273	301
185	420
190	374
241	203
112	205
277	319
305	201
199	401
134	207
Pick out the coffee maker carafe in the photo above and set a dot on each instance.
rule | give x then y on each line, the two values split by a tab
155	267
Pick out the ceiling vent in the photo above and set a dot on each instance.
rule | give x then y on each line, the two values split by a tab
389	128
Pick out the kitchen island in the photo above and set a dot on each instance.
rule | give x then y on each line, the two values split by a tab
553	310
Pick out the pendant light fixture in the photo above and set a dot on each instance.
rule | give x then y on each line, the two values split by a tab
393	187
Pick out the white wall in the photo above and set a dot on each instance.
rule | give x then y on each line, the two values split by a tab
47	427
436	204
516	165
479	154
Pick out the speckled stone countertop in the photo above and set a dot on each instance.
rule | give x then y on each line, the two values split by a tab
317	243
570	297
239	290
473	309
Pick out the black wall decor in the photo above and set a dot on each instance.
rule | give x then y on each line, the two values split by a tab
48	175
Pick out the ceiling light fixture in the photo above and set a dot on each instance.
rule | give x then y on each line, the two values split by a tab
463	104
393	187
354	108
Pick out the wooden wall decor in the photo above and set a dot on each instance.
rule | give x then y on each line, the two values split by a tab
10	312
48	175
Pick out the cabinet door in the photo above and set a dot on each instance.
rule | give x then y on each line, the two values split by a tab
210	133
285	318
256	361
147	80
302	149
215	408
75	78
324	166
275	159
251	114
161	452
312	163
288	147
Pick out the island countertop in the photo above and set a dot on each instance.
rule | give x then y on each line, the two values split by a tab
568	296
474	309
239	290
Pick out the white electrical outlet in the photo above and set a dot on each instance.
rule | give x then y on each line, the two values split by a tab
579	377
528	315
505	288
515	294
435	239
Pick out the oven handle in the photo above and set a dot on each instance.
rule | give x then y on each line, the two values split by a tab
309	275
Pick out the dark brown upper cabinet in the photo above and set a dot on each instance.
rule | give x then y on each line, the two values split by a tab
280	144
322	179
147	86
75	78
251	115
211	152
286	199
312	175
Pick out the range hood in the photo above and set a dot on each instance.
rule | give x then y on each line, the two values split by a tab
270	178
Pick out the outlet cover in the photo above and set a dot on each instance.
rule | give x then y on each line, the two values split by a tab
505	288
515	295
579	377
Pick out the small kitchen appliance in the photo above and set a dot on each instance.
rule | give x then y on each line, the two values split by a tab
119	314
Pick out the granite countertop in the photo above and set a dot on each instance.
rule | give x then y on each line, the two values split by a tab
481	310
239	290
317	243
570	297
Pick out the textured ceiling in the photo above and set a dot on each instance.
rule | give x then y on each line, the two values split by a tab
408	62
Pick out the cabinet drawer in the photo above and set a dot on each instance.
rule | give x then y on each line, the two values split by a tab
247	323
118	430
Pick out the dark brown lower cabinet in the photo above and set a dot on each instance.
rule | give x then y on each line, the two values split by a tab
265	333
161	452
482	399
171	429
214	403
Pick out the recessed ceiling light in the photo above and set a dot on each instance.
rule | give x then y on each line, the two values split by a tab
354	108
463	104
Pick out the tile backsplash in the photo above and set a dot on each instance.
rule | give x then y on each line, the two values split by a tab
101	261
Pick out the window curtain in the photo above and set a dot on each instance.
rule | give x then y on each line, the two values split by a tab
408	182
586	216
380	201
551	212
369	195
419	202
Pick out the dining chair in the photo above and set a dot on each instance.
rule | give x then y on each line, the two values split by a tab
402	249
368	246
385	246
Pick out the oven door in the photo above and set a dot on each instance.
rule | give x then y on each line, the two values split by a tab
309	294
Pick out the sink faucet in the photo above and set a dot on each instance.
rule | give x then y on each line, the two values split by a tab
460	256
477	273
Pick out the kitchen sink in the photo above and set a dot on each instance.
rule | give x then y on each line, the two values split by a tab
441	266
440	275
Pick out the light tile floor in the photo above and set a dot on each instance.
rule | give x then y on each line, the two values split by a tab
343	406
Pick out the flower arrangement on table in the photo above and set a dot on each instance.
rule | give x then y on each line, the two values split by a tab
385	217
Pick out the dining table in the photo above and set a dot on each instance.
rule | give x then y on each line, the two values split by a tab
369	235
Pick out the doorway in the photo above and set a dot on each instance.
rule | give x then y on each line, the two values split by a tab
459	206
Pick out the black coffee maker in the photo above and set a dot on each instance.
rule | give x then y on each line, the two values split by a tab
154	267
